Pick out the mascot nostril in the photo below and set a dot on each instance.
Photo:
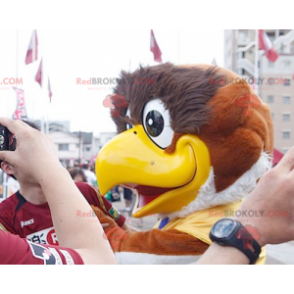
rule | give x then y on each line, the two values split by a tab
211	142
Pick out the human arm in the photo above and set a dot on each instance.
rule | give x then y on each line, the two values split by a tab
273	193
36	156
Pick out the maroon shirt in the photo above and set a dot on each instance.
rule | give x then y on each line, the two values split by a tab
34	222
15	250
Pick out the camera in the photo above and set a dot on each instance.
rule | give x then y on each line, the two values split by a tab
4	138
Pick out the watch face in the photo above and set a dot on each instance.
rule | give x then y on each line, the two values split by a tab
223	228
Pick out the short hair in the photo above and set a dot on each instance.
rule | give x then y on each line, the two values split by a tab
77	171
85	166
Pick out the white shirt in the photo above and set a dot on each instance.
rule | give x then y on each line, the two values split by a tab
91	177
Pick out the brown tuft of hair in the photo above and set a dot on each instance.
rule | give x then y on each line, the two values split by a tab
185	92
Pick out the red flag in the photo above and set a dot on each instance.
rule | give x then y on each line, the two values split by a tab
154	48
32	53
266	44
38	77
277	156
49	90
20	111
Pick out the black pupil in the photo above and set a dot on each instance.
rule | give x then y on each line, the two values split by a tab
154	123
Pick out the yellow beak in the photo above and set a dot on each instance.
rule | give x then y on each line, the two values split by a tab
132	158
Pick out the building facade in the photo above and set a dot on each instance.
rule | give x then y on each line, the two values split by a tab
275	84
105	137
73	147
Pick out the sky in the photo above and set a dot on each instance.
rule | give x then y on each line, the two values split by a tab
69	55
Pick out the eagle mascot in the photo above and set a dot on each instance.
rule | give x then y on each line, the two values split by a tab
193	140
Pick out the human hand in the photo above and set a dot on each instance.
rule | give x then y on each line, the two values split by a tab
272	203
34	153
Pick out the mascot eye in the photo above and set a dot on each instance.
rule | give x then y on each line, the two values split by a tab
128	114
156	121
129	126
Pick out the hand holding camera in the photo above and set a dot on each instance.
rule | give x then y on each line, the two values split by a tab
35	152
4	138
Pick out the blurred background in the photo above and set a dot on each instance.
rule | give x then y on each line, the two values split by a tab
75	118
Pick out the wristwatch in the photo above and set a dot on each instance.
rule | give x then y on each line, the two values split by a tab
230	232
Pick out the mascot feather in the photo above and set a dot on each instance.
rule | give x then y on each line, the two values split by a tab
192	140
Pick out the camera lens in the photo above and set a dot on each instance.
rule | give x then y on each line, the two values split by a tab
2	140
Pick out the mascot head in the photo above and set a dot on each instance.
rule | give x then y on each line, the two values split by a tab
190	137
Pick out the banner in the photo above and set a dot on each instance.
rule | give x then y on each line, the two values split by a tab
20	111
154	48
32	52
49	90
39	74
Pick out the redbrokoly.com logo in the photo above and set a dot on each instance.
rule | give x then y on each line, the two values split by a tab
116	103
248	234
248	102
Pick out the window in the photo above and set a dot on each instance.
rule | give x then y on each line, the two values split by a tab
243	34
286	100
63	147
239	55
270	99
286	117
286	63
243	37
287	82
271	64
292	47
286	135
271	36
88	149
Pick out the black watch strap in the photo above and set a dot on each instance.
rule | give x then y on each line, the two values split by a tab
241	239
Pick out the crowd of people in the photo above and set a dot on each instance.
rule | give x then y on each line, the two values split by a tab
80	173
117	194
49	198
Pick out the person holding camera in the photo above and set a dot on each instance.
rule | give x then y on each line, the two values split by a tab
80	241
26	213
